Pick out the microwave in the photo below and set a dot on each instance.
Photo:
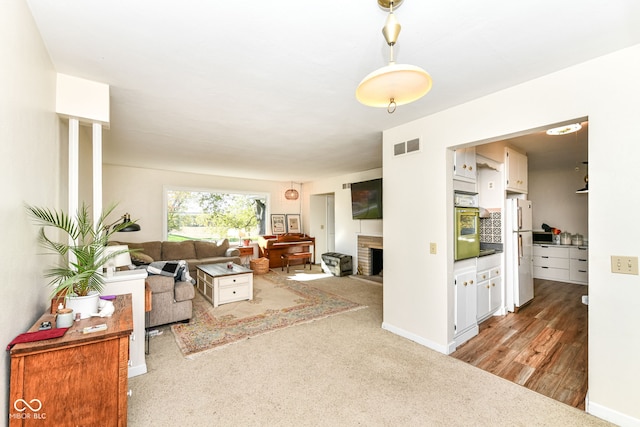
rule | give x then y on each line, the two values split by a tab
543	237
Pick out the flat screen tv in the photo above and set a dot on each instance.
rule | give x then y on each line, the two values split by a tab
366	199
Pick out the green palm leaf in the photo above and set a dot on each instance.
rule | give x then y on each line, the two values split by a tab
82	253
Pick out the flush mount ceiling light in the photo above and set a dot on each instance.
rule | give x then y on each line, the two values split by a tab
394	84
563	130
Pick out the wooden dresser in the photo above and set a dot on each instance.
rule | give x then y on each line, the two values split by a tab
272	247
77	379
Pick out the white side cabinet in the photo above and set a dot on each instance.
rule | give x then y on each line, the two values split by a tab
516	171
131	282
561	263
464	167
220	287
489	286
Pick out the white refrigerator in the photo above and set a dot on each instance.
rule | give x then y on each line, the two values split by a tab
519	253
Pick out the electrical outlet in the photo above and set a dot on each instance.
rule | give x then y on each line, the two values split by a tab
433	248
624	264
490	185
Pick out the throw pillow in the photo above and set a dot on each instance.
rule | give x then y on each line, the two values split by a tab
139	258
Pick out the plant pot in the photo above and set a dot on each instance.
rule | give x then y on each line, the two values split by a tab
86	305
246	242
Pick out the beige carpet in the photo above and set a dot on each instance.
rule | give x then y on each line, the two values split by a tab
278	302
340	371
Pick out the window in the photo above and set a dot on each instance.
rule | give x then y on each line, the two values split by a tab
214	215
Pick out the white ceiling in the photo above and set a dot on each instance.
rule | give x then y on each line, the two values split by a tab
266	90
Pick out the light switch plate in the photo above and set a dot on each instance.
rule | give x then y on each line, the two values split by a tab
433	248
624	264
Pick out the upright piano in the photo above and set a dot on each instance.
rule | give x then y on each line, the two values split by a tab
272	247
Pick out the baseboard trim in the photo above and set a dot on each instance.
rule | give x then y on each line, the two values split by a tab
415	338
610	415
465	336
137	370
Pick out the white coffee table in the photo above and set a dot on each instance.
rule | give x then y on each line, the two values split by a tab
221	285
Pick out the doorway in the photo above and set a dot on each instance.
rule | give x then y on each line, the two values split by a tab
544	345
322	223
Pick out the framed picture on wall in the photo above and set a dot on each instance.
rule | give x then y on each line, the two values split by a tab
278	224
293	224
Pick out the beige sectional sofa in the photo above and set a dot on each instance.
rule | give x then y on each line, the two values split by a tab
171	300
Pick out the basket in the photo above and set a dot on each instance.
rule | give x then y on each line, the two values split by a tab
259	265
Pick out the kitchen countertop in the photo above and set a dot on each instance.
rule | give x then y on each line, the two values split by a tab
485	252
490	249
558	245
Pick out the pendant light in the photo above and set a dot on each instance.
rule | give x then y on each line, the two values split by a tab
291	193
394	84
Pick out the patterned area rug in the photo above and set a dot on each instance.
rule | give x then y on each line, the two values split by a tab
278	303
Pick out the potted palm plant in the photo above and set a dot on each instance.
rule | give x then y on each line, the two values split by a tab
77	275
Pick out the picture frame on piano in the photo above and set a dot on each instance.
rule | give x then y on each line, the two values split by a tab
293	223
278	224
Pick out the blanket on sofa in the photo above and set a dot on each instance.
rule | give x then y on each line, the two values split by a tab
176	269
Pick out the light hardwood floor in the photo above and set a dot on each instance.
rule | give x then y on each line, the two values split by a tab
542	347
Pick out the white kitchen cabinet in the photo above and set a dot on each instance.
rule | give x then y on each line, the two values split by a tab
489	286
464	167
516	171
561	263
465	307
579	265
551	262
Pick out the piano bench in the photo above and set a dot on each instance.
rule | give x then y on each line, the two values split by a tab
304	256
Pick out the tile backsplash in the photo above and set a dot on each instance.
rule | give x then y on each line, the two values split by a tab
491	228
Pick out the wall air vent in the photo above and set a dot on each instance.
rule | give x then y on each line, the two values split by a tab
411	146
346	186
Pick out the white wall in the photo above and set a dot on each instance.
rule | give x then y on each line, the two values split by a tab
555	202
29	148
140	193
419	304
346	228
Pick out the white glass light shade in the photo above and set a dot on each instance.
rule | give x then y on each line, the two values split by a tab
401	82
563	130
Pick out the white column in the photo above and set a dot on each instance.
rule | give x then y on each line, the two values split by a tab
74	154
97	172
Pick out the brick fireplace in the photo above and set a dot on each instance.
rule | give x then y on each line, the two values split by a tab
367	261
